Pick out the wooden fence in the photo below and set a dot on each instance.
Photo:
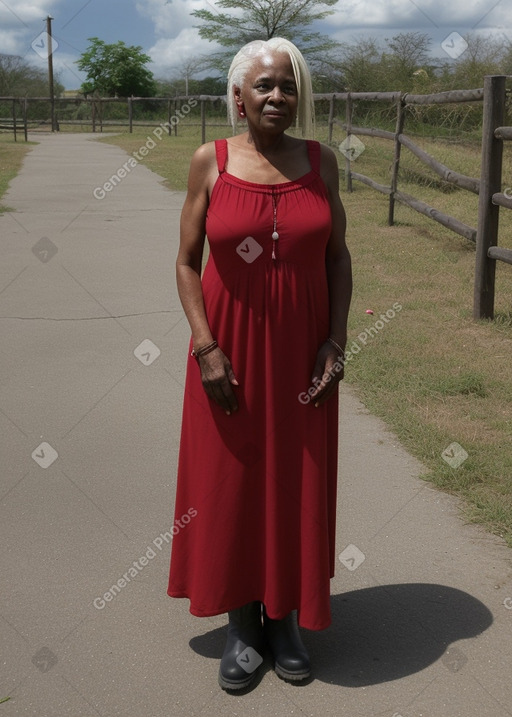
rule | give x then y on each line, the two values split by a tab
172	108
488	186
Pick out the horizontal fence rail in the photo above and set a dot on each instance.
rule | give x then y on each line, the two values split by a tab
487	186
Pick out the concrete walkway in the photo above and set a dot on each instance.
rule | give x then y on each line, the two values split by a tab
92	368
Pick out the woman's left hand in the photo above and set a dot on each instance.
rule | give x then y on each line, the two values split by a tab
328	372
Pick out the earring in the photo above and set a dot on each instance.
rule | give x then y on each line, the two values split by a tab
241	112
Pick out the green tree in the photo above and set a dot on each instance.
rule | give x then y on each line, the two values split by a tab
263	19
407	53
483	56
359	66
116	69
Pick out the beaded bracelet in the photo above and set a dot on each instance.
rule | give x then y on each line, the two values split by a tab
336	346
204	350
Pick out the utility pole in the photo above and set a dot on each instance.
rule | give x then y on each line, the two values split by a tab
50	70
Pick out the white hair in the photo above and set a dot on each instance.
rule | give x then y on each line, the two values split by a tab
244	60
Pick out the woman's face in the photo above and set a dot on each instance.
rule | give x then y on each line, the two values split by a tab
269	93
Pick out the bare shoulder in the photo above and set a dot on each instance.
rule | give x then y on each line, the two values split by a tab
328	157
329	168
204	157
203	168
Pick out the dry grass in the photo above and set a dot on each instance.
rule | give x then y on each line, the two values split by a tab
11	158
432	373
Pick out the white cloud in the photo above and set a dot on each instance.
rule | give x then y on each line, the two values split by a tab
18	15
169	53
21	22
178	39
170	17
11	41
422	14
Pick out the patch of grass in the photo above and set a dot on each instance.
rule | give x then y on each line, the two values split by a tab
464	384
432	373
171	156
12	154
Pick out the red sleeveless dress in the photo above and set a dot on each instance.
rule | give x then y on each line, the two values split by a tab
256	492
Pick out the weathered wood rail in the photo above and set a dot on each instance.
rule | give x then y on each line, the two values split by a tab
173	105
487	186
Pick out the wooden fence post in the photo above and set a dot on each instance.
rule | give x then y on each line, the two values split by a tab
25	121
14	118
490	183
203	121
169	113
331	119
348	168
400	119
130	114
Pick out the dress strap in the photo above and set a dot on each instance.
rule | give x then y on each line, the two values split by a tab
221	151
314	154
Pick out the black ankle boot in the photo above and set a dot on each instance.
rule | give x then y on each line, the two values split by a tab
244	647
291	661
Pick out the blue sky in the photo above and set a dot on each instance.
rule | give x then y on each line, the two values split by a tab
166	31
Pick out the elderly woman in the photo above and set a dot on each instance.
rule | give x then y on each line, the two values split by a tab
258	454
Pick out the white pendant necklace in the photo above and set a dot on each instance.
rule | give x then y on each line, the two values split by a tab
275	234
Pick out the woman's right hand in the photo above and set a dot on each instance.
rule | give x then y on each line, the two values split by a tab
218	379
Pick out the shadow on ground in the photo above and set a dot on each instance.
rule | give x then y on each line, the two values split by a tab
384	633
